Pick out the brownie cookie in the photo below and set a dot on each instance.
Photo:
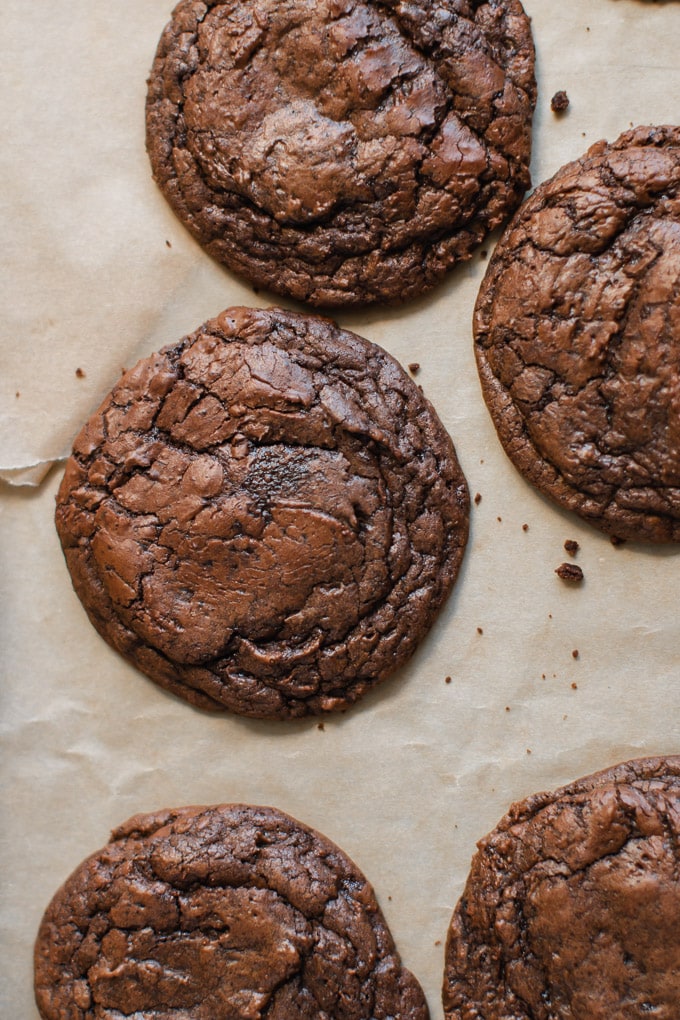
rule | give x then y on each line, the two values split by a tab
572	904
266	516
227	911
340	151
577	330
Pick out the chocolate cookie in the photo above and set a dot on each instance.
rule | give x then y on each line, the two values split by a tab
227	911
341	151
266	516
577	330
572	904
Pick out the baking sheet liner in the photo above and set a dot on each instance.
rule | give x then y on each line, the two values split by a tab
96	273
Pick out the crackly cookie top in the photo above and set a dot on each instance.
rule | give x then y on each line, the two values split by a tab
264	517
229	911
577	331
571	907
341	151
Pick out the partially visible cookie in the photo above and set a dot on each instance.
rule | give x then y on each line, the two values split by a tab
229	911
577	330
264	517
572	904
342	151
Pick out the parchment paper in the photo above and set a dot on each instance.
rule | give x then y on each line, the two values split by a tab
96	273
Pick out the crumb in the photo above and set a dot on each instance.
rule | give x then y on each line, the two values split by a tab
420	388
483	254
574	687
583	134
481	461
564	717
499	519
478	499
447	679
79	373
525	527
587	28
479	630
17	394
256	290
570	572
167	244
438	942
559	102
320	726
507	708
414	367
542	676
574	654
389	897
571	546
616	542
550	616
528	750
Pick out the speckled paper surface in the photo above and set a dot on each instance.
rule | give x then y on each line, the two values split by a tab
97	272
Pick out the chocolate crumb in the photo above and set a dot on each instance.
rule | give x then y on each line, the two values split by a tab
542	676
320	726
574	687
507	708
525	527
79	373
478	499
414	367
483	254
616	542
574	654
559	102
571	546
167	244
528	750
569	572
438	942
499	519
479	630
17	394
447	679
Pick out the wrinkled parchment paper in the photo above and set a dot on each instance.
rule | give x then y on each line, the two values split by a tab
96	273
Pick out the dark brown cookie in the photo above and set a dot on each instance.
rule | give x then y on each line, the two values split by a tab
227	911
572	904
577	330
265	517
340	151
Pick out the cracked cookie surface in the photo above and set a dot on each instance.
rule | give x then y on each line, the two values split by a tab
337	151
229	911
577	330
265	517
571	907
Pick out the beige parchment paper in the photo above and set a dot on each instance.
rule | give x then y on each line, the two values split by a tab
96	272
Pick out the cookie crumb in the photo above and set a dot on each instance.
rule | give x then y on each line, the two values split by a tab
478	498
483	254
479	630
414	367
447	679
574	654
571	546
525	527
507	708
80	374
320	726
167	244
17	394
542	676
616	541
438	942
500	520
528	750
569	572
559	102
574	686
